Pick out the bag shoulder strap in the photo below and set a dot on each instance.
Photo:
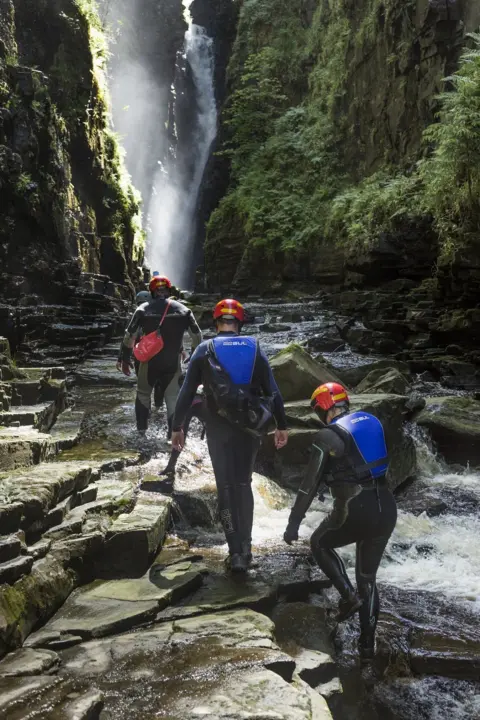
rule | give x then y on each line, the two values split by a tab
255	340
164	313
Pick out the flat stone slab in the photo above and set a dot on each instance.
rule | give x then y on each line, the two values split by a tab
66	431
99	371
104	608
221	592
90	617
23	692
37	415
433	653
40	488
25	446
28	661
12	570
314	667
219	661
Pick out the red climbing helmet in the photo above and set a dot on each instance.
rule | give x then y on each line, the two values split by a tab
229	310
159	281
329	395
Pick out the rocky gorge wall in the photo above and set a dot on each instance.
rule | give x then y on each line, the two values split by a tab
69	222
323	129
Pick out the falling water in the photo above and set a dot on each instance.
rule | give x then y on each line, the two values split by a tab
172	209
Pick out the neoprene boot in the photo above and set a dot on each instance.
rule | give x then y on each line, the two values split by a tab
141	413
238	563
366	647
350	602
169	427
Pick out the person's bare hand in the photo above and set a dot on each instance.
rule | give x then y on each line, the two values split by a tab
178	440
281	438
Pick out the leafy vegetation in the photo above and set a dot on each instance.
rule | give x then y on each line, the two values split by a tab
445	184
287	126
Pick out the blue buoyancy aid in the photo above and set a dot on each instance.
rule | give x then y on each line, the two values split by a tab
230	367
237	356
367	449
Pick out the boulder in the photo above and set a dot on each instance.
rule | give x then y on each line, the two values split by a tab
353	376
287	465
329	341
382	381
298	374
454	424
134	538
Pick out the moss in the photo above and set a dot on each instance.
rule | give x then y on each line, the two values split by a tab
307	170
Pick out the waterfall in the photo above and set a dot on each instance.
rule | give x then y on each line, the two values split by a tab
171	217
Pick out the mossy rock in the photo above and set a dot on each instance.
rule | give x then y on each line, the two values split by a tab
454	424
298	374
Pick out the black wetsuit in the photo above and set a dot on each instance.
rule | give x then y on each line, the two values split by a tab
197	409
232	450
162	368
364	512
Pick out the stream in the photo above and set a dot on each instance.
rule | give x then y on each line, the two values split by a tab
429	579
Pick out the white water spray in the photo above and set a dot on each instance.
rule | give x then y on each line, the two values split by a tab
172	209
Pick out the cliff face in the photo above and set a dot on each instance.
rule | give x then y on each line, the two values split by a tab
324	94
67	206
220	19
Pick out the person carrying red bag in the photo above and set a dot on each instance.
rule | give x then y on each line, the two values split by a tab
170	319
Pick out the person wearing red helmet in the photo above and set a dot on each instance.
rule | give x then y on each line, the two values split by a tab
350	457
242	403
163	370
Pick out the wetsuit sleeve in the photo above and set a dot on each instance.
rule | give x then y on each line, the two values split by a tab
131	333
193	379
194	331
270	389
324	445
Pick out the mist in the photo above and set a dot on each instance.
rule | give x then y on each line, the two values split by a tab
163	108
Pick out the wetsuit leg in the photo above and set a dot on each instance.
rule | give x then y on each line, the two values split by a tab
158	396
336	531
171	395
143	399
369	555
175	454
233	454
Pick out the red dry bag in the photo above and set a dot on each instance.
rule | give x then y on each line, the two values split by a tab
150	345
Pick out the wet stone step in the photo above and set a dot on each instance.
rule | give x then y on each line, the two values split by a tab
24	446
25	392
12	570
134	538
9	548
39	416
41	488
27	661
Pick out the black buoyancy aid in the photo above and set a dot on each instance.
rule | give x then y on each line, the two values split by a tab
365	457
231	363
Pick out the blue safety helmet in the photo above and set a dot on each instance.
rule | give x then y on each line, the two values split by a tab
143	296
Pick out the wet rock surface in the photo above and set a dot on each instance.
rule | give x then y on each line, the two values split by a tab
128	589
